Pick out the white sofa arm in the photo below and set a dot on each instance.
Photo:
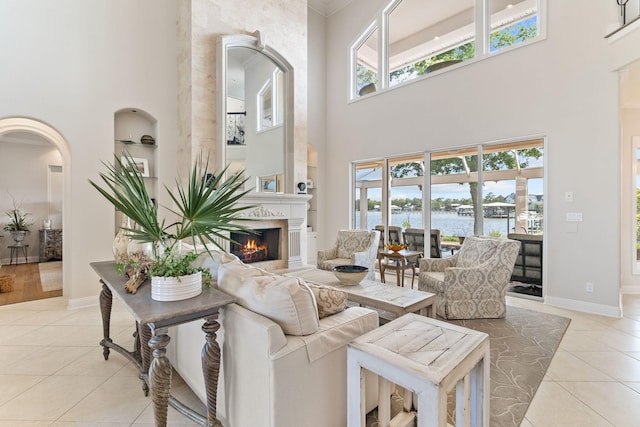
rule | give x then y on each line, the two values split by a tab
364	259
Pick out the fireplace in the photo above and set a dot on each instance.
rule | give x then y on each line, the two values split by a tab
260	247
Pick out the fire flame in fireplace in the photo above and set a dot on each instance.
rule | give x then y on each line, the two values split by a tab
252	251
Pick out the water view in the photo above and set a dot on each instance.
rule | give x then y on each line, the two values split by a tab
449	224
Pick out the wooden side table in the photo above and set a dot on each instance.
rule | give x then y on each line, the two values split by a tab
390	260
153	318
427	357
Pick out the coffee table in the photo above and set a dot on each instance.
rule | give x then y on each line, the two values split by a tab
371	293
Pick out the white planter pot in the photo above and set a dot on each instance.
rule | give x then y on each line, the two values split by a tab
18	237
176	288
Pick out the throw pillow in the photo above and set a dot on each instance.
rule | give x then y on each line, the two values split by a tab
329	300
287	301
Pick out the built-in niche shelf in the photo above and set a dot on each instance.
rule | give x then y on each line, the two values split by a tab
131	127
312	177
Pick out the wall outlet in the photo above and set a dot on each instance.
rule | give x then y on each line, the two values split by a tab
568	196
589	287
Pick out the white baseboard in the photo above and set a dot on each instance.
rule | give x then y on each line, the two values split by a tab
76	303
587	307
630	289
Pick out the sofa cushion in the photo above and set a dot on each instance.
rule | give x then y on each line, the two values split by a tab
288	301
329	300
475	251
350	241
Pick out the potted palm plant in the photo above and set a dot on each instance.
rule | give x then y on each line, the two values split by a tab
205	212
18	224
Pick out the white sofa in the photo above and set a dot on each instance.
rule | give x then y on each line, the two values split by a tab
268	377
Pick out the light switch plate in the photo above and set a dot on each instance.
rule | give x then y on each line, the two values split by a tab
574	216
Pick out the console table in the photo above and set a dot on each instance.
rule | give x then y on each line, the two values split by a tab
153	318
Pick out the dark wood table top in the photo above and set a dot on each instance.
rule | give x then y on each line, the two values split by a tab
160	313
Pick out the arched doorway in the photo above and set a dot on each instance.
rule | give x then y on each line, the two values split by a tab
49	134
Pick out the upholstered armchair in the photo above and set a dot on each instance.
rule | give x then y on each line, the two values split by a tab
352	247
472	283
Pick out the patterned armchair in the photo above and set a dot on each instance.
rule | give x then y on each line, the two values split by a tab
353	247
472	283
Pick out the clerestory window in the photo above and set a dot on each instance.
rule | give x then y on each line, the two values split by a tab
412	38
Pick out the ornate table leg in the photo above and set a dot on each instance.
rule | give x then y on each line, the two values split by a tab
144	333
160	376
106	301
211	367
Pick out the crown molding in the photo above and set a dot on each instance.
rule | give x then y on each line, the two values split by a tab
327	7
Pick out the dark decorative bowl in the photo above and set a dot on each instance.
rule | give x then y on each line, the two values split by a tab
147	139
350	274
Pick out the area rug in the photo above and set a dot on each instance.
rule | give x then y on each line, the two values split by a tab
522	346
50	275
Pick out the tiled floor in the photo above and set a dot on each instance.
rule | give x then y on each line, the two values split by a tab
52	372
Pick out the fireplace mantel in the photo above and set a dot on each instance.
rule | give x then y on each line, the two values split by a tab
289	208
269	205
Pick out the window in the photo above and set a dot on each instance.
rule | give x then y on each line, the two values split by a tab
270	102
507	190
490	190
406	176
366	60
368	209
512	22
423	36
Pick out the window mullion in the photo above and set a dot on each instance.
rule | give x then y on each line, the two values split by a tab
480	211
426	204
483	27
383	57
386	191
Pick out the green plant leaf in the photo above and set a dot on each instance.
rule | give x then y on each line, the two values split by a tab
207	211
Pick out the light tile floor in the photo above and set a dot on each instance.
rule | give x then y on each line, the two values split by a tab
52	372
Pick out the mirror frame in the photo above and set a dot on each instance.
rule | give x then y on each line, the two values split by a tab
254	43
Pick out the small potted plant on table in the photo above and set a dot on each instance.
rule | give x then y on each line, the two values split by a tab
18	224
205	212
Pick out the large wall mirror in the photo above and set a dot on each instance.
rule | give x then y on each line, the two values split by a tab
255	105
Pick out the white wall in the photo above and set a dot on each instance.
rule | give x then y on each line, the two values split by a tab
317	98
562	88
23	175
87	60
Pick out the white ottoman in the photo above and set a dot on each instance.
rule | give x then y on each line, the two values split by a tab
425	356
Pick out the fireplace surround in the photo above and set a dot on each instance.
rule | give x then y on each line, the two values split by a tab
278	210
